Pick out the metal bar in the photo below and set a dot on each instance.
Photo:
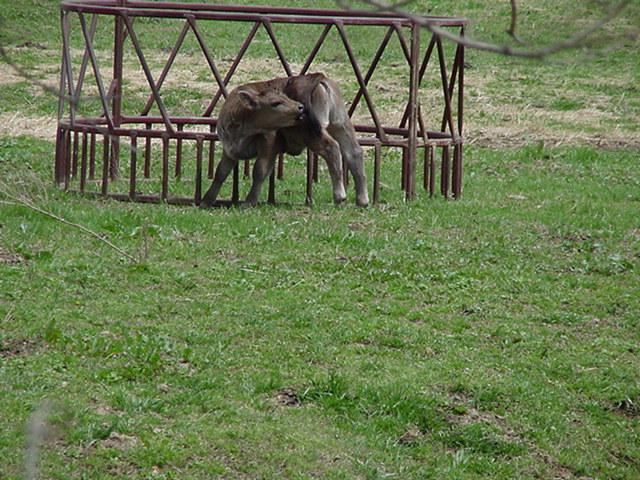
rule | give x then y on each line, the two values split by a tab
178	167
444	173
315	50
414	83
279	52
83	161
452	84
261	9
167	67
147	72
205	50
147	155
105	165
63	77
67	159
428	158
114	167
247	169
57	173
92	157
74	163
165	168
232	68
403	175
458	164
372	67
96	73
455	172
432	173
133	167
365	91
212	154
250	13
198	192
445	87
423	69
85	59
69	70
116	100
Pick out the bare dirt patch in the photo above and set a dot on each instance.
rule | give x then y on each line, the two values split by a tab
17	348
14	124
10	258
287	397
120	441
628	407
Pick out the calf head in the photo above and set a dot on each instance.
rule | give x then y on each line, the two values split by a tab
271	109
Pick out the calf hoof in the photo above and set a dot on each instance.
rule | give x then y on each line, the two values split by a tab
362	202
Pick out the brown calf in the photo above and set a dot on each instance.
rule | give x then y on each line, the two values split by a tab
262	119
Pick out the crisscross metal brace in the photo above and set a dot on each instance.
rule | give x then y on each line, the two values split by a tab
76	138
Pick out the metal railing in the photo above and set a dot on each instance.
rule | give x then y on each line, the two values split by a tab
78	135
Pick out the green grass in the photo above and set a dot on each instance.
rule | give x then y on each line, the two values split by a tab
491	337
503	328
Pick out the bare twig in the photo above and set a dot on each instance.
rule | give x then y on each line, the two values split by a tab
82	228
4	56
575	41
514	21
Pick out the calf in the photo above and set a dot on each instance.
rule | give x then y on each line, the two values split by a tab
262	119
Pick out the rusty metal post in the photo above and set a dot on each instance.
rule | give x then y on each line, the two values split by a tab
105	164
133	167
83	161
165	167
178	166
198	192
428	158
413	113
147	154
74	164
116	103
92	157
444	173
212	159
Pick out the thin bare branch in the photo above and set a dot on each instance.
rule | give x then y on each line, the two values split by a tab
26	203
575	41
514	21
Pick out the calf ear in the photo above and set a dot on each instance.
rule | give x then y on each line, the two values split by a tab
248	98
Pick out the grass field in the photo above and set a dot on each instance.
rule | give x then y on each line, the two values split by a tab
492	337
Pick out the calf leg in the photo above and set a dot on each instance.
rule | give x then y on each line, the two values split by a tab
261	170
351	151
329	149
222	172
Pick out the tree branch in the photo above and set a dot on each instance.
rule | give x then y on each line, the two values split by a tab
572	42
82	228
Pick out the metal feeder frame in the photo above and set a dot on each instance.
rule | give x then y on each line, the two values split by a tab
75	158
